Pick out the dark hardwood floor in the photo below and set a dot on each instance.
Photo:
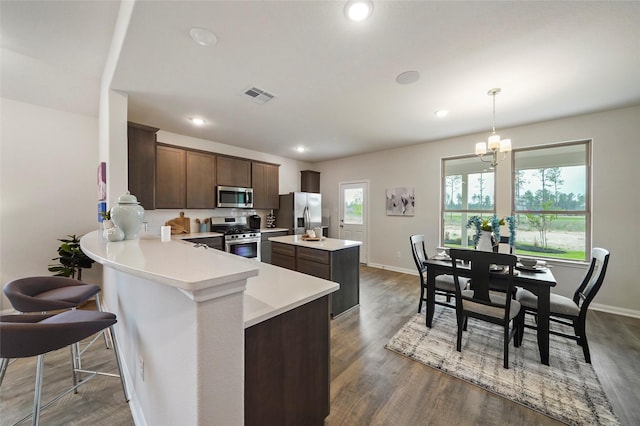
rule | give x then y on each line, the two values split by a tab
369	384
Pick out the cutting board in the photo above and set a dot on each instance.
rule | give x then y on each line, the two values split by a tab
179	225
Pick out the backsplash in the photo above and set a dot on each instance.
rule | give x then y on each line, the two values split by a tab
154	219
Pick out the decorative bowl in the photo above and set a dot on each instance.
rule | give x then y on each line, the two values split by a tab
528	262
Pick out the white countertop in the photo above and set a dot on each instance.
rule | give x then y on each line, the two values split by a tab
277	290
175	263
218	234
267	230
197	235
328	244
270	290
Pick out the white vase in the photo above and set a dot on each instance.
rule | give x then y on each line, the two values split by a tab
128	216
114	234
485	243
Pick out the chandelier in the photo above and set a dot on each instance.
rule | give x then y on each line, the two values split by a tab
494	143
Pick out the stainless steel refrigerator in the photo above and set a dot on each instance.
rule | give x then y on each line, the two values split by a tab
300	211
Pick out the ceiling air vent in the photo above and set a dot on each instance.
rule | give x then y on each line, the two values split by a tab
258	96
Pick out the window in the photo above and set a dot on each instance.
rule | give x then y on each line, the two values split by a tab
353	206
551	200
468	190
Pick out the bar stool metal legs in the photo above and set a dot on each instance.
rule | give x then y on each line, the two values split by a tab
23	336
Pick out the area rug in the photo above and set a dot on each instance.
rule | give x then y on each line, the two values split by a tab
568	390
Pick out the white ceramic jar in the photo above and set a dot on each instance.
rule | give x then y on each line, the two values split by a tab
128	216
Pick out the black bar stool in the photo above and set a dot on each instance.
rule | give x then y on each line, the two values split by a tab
48	294
23	336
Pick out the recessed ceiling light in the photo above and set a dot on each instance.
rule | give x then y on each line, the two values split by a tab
300	148
358	10
408	77
441	113
197	121
203	36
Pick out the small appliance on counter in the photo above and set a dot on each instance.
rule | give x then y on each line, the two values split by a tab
254	222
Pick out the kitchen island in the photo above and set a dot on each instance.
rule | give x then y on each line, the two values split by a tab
329	258
199	329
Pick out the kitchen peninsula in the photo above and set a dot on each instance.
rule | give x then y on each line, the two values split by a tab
329	258
202	333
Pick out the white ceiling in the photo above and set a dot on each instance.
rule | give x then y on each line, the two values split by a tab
333	80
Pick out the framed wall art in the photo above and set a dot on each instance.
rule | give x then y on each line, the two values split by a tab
400	201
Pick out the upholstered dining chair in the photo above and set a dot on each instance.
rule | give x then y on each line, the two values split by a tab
481	303
46	294
570	312
503	245
444	283
23	336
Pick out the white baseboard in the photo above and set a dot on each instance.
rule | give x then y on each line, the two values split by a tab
595	306
615	310
393	268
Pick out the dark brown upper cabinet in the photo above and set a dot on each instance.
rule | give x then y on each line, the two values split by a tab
171	177
233	172
141	151
266	185
201	180
310	181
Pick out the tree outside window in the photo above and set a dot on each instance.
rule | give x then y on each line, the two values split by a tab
550	193
468	188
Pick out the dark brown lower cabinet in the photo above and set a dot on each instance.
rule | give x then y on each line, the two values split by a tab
213	242
287	367
341	266
265	244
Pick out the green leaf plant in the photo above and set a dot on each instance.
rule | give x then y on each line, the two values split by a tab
72	259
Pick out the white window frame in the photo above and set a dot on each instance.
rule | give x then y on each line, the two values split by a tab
588	196
468	212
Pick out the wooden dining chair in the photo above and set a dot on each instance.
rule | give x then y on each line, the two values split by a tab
444	283
481	303
566	311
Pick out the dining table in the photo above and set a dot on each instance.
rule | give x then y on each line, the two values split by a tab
538	280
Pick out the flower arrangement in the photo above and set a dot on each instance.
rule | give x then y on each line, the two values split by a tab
492	225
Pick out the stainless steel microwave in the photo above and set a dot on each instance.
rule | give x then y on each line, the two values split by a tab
234	197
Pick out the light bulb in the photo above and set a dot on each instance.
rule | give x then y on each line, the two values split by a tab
505	145
481	148
494	142
358	10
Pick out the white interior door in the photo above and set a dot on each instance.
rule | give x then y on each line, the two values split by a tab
354	212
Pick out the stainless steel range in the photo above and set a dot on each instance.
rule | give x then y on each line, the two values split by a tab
239	238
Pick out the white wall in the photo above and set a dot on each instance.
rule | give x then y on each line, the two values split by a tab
49	160
48	165
47	193
616	150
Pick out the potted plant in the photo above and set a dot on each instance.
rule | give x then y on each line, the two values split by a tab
72	259
106	219
488	231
